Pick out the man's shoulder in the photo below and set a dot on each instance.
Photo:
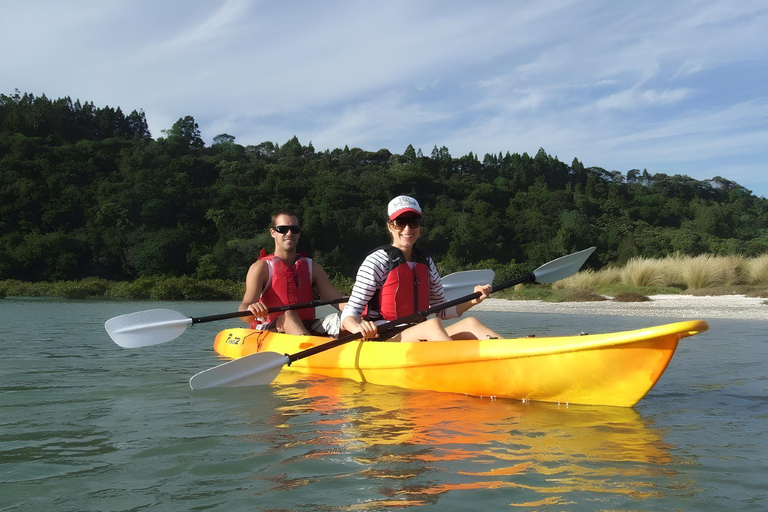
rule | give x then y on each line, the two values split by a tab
259	265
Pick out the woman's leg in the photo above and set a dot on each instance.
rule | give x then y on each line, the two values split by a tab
431	330
470	328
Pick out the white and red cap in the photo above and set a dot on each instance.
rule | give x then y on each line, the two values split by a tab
401	205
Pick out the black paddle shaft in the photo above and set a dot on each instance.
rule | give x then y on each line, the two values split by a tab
238	314
528	278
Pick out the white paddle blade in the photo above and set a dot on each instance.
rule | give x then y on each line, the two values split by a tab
145	328
562	267
254	370
463	283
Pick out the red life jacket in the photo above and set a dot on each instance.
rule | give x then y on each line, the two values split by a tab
405	291
289	285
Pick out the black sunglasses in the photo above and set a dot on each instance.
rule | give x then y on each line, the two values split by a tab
401	222
284	229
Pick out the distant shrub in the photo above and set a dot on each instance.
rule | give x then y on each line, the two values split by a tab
207	268
762	294
584	296
226	289
187	288
139	289
90	287
16	288
630	297
531	292
343	284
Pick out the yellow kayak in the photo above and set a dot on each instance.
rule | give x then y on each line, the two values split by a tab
599	369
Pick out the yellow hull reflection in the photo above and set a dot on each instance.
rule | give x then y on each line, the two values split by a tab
422	446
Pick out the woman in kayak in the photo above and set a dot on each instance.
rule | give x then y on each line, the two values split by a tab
396	280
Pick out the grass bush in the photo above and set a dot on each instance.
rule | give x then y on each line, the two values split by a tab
583	296
757	293
139	289
704	271
620	288
671	270
544	293
643	272
630	297
756	270
342	283
14	287
188	288
174	288
590	279
736	272
90	287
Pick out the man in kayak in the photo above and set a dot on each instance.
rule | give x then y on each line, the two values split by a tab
288	277
397	280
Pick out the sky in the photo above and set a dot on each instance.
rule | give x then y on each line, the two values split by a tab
672	87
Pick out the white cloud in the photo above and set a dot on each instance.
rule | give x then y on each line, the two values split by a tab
635	99
618	85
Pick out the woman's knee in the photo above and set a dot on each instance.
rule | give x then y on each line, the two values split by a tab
429	330
470	323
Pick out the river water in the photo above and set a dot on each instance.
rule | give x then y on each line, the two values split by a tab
88	426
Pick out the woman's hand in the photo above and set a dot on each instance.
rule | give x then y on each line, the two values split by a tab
484	290
367	329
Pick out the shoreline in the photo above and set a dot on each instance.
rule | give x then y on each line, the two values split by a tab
672	306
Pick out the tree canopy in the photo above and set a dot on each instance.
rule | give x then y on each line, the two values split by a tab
87	191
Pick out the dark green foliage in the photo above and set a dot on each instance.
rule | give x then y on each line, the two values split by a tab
86	191
89	287
584	296
186	288
630	297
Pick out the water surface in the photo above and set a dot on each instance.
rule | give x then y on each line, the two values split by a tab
86	425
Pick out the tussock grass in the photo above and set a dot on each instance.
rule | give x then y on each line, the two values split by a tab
643	272
589	280
674	273
756	270
705	271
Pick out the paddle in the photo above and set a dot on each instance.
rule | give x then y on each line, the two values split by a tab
155	326
262	367
461	283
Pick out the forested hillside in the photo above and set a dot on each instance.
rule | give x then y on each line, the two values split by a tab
87	191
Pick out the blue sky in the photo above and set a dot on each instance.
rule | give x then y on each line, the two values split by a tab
671	87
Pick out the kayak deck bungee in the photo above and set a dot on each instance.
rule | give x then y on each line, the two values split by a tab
599	369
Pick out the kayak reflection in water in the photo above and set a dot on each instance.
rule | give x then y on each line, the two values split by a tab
397	280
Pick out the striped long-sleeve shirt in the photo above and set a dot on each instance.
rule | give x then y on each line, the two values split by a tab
371	277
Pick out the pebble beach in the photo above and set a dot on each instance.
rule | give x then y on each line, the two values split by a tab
682	306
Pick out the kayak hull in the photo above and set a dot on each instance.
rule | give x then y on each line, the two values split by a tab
602	369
